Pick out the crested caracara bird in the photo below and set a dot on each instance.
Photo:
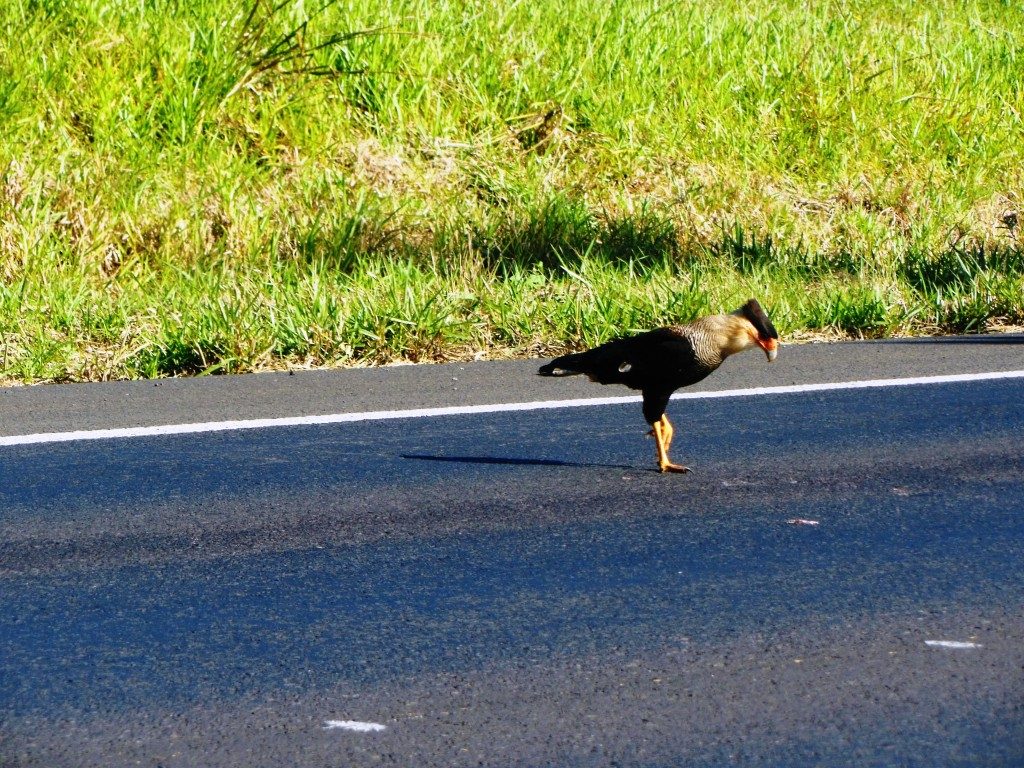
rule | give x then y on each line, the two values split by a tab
661	361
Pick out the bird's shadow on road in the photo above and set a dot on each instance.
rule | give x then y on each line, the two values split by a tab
515	461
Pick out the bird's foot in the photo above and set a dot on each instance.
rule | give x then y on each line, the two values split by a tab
670	467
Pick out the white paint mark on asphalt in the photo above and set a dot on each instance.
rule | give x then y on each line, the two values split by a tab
353	725
458	410
951	644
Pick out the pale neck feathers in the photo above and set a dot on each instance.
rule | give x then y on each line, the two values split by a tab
717	336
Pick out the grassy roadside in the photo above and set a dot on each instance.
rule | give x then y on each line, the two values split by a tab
191	187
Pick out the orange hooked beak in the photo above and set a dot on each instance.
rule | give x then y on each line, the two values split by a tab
770	347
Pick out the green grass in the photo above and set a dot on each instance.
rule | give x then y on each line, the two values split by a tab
211	187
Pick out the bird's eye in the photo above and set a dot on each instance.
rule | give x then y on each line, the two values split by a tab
624	368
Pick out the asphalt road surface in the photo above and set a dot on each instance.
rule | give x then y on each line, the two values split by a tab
840	580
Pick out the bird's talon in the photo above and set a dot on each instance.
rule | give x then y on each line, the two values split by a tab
679	468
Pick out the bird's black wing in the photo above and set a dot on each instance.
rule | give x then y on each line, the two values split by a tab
662	359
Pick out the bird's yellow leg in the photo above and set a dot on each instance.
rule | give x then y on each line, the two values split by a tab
662	438
667	430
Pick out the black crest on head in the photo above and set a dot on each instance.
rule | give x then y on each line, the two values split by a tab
757	317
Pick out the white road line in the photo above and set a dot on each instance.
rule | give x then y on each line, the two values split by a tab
951	644
353	725
456	410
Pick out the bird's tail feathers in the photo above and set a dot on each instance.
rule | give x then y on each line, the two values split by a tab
561	366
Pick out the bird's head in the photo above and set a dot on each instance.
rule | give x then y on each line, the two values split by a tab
749	326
